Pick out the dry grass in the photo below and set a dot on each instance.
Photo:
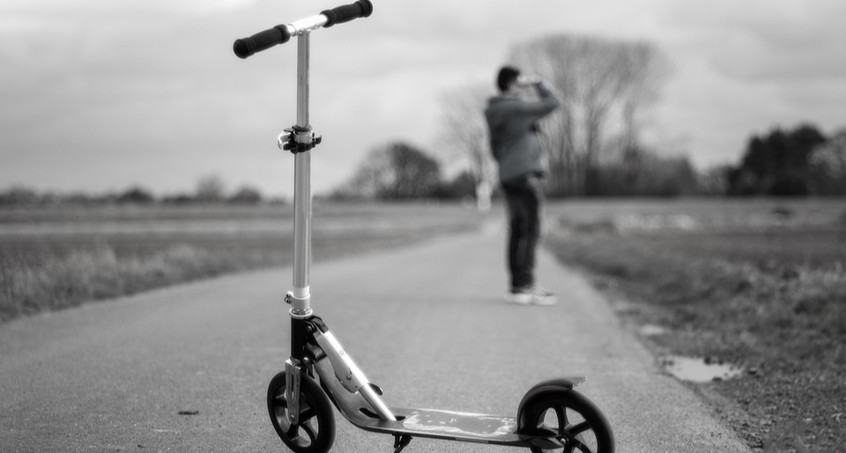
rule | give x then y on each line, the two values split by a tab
88	275
104	253
779	310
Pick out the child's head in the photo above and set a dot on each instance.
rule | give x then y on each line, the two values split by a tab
507	77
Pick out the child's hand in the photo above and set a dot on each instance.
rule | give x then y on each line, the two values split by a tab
527	80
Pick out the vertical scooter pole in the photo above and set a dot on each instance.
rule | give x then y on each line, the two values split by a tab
301	295
300	139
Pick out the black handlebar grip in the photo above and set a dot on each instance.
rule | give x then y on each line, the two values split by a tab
261	41
346	13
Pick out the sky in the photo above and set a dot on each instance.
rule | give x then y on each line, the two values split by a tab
103	95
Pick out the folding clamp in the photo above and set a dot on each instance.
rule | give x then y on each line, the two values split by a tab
298	139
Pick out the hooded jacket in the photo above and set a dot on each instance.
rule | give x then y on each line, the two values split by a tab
514	143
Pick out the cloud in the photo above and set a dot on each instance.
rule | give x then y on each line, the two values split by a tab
766	40
149	91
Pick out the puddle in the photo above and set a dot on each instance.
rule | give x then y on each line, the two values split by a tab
655	222
699	370
652	330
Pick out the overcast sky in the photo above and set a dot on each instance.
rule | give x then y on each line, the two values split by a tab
100	95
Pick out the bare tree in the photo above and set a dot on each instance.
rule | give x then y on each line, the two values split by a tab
828	166
466	136
603	84
396	171
210	188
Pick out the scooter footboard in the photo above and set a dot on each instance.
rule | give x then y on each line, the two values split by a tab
465	427
458	423
456	426
427	423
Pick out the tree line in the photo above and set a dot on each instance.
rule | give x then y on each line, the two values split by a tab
797	162
209	189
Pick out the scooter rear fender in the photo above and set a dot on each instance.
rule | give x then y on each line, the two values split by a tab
556	385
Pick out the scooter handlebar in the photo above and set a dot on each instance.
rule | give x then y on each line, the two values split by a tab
262	40
281	34
346	13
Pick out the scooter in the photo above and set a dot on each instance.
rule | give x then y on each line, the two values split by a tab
320	373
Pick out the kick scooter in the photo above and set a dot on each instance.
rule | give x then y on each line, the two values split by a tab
320	373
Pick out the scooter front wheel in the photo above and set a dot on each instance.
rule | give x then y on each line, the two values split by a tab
571	418
315	432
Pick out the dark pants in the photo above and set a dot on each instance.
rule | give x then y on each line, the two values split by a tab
524	197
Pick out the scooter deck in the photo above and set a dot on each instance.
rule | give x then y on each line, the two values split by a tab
457	426
430	423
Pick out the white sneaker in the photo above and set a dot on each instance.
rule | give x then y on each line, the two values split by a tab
519	297
542	296
534	295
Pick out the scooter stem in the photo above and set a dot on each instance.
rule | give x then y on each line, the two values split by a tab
301	296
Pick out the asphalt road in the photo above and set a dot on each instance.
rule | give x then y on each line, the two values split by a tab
185	369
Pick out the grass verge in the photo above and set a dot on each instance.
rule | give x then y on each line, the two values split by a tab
121	252
785	324
89	275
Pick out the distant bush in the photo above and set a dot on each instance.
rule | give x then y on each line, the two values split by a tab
136	195
246	195
18	195
777	163
828	167
209	190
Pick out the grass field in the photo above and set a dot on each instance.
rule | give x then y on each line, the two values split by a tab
760	284
58	257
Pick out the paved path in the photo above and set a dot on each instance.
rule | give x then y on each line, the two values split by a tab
427	324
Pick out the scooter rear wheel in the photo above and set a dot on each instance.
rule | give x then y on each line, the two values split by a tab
573	419
315	432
